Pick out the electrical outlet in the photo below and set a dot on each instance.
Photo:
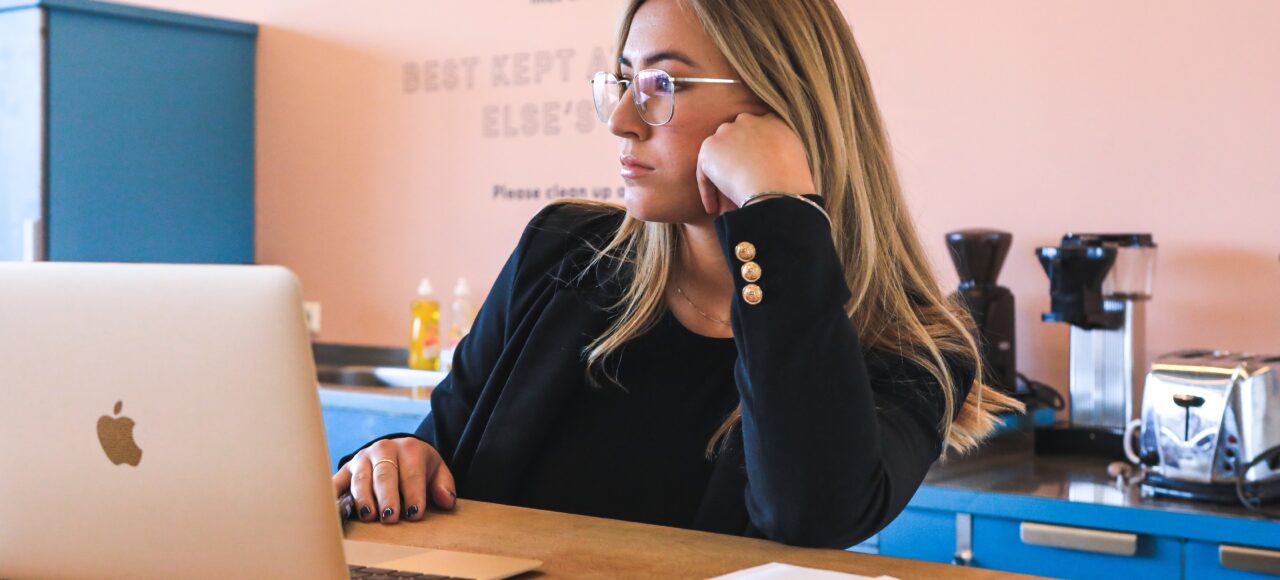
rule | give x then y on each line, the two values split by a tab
311	311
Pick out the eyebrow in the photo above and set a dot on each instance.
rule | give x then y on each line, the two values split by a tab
660	56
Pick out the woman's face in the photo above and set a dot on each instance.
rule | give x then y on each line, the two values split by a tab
666	36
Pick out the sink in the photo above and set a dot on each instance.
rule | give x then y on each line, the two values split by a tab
369	366
367	376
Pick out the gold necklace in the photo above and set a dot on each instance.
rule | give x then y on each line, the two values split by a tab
695	307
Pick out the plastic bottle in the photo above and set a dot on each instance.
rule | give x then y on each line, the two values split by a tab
461	315
424	339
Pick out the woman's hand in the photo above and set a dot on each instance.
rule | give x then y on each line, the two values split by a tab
751	154
378	490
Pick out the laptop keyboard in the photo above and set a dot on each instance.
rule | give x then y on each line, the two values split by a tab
368	573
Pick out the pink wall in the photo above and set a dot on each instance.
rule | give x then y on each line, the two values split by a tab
1036	118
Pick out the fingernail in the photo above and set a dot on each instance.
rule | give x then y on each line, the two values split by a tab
412	511
386	513
453	494
364	512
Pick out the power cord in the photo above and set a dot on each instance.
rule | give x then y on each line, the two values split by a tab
1043	394
1251	501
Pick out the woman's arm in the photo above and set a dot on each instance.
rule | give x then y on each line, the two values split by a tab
835	442
475	356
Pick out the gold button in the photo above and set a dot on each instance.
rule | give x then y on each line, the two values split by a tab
751	271
752	294
745	251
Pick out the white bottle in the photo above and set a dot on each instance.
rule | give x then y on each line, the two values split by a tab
461	315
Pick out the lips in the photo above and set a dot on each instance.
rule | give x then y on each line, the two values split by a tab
630	162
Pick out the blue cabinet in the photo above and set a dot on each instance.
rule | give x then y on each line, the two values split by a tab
1065	517
1072	551
1089	545
353	418
1210	560
126	134
920	534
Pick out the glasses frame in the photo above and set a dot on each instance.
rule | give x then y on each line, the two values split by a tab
635	96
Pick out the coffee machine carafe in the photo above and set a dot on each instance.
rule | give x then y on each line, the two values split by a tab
1099	285
978	255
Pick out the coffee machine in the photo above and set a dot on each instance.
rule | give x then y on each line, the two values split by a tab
978	255
1099	285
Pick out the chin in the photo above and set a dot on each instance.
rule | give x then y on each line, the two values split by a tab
648	205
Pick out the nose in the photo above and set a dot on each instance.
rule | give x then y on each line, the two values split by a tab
625	119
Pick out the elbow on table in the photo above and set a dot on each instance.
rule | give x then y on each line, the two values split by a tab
823	527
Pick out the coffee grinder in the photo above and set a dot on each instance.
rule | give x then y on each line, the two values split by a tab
978	255
1099	284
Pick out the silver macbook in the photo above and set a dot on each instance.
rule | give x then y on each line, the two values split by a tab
162	421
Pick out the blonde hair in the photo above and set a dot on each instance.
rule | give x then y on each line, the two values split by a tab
800	58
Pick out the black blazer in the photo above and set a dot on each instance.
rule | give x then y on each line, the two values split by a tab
834	439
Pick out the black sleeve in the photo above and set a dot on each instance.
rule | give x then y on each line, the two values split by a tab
836	441
476	354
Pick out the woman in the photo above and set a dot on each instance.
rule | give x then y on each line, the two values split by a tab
755	346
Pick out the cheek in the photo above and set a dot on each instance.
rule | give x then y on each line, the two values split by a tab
671	193
679	149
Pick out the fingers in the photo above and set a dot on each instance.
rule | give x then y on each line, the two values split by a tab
443	490
342	480
415	467
727	204
707	190
366	504
384	461
388	481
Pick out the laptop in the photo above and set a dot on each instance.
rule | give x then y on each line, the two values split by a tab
163	421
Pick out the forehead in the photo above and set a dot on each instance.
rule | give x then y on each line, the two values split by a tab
667	30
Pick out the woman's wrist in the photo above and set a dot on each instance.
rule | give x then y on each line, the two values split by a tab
770	194
756	197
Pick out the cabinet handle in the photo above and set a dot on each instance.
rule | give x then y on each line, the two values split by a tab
964	540
1249	559
1082	539
32	240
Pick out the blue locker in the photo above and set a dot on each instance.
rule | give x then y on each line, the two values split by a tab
145	135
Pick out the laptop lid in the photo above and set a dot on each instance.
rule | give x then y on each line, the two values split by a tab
160	421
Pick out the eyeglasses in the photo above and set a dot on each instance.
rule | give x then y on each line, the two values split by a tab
654	93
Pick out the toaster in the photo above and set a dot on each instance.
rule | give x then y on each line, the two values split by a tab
1205	416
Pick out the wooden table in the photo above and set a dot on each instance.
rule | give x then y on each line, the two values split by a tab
573	546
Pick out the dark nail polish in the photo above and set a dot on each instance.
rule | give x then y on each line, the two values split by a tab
364	512
386	513
412	511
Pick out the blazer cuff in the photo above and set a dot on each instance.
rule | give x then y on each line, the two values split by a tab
785	245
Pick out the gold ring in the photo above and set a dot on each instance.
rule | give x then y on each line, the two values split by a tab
393	463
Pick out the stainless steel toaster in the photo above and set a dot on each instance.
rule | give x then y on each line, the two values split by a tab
1205	415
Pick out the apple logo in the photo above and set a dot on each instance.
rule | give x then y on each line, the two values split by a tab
116	437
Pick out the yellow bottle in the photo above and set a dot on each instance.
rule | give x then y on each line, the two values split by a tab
424	339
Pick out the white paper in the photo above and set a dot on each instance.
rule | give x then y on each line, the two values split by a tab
779	571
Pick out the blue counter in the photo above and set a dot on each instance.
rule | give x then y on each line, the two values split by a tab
355	415
994	511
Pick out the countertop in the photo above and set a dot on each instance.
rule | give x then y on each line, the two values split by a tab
1008	480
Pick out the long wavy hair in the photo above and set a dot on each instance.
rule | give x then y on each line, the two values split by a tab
800	58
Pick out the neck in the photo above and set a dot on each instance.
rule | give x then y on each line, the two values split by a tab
701	270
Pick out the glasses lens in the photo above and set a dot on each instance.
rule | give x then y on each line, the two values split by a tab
655	96
607	92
